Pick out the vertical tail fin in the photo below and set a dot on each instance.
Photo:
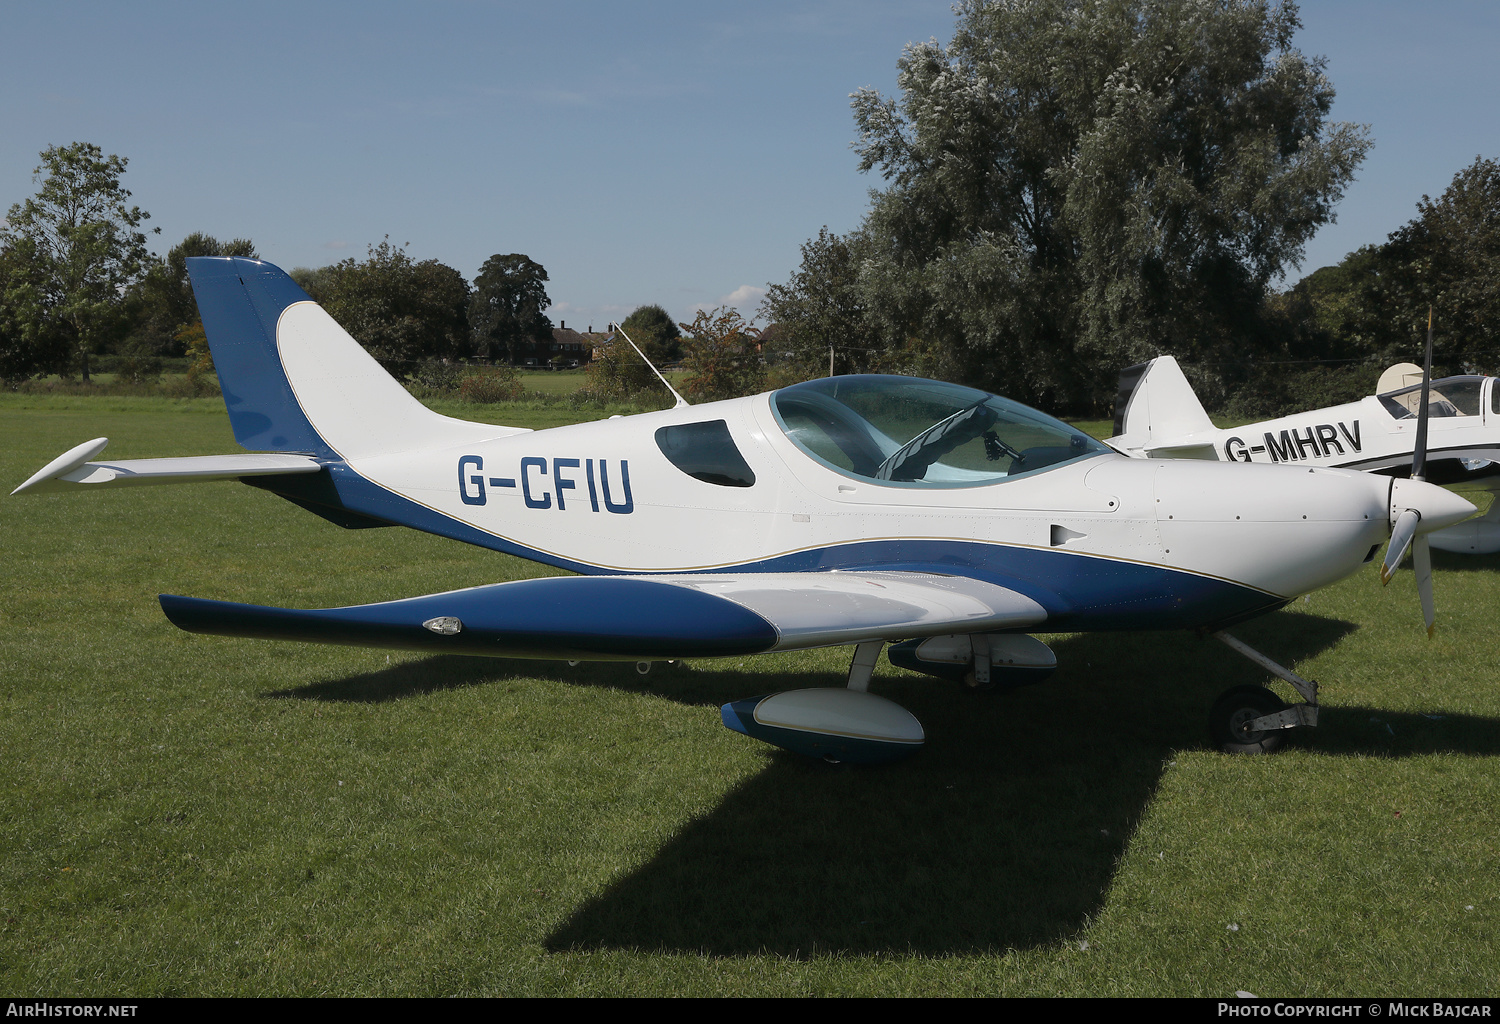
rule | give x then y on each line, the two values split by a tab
241	302
1157	408
295	381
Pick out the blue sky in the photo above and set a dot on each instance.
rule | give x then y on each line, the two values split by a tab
675	153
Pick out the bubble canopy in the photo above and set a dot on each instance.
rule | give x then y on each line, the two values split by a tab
909	432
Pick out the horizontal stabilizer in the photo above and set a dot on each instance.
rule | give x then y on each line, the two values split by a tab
73	468
1204	450
639	617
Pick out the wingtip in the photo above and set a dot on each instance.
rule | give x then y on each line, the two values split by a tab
64	463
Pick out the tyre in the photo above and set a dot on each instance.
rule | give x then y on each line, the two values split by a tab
1232	713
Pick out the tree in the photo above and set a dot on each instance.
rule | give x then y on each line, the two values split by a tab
201	378
1449	258
78	249
508	310
722	357
821	320
1337	312
30	342
656	333
1373	304
617	373
316	282
401	312
1077	184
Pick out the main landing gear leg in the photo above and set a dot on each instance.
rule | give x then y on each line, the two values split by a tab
866	656
1252	719
981	663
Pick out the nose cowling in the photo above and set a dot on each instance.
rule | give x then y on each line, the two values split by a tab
1281	529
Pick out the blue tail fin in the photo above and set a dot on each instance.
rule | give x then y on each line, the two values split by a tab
295	381
241	302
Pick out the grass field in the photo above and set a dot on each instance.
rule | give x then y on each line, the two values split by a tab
553	382
206	816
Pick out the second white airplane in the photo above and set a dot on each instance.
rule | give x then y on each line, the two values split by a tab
1159	416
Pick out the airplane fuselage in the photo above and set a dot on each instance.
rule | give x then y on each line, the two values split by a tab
1106	542
1378	434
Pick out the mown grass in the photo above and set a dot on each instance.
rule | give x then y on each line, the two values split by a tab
206	816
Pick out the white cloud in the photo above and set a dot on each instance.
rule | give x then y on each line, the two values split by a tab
745	299
340	244
743	296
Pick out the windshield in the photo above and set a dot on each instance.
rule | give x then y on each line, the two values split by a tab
907	431
1451	396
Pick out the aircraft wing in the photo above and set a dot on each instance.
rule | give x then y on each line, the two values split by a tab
641	617
73	468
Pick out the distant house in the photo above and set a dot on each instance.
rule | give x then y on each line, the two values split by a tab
575	349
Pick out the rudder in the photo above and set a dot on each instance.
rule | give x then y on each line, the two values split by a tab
241	301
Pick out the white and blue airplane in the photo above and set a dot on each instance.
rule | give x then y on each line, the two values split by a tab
857	510
1157	415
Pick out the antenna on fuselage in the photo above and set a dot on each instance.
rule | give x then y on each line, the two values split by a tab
617	329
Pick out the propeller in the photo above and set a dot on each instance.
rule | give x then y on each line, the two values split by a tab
1409	528
1403	529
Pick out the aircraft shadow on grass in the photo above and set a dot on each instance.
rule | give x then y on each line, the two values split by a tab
1004	832
1444	562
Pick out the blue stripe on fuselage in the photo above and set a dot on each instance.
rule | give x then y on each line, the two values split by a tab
1081	592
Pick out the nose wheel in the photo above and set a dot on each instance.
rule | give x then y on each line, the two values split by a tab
1252	719
1233	721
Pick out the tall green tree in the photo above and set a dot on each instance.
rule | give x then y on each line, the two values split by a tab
656	333
77	249
1074	185
1448	258
1373	304
1337	312
30	343
508	310
401	311
820	317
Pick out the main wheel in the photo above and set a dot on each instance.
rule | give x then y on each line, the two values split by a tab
1229	721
